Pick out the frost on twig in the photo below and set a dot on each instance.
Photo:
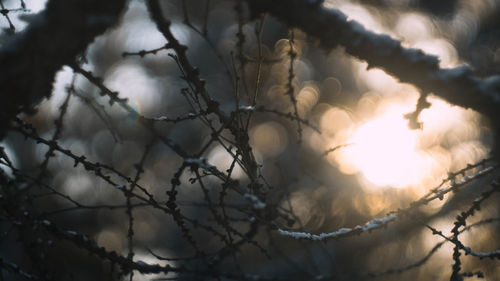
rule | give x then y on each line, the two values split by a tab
435	193
247	108
342	232
257	203
200	162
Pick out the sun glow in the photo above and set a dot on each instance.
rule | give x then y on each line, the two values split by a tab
375	142
384	150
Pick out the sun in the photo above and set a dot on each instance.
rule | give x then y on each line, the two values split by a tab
385	151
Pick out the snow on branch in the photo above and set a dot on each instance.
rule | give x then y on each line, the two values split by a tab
435	193
85	242
358	229
30	59
256	202
198	162
332	28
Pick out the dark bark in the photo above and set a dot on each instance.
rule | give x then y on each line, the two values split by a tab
30	59
331	27
458	85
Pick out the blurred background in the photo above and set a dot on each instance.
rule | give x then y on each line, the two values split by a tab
352	158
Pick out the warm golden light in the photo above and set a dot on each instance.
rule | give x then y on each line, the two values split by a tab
384	151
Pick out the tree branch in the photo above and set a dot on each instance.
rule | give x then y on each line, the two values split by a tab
457	85
30	59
